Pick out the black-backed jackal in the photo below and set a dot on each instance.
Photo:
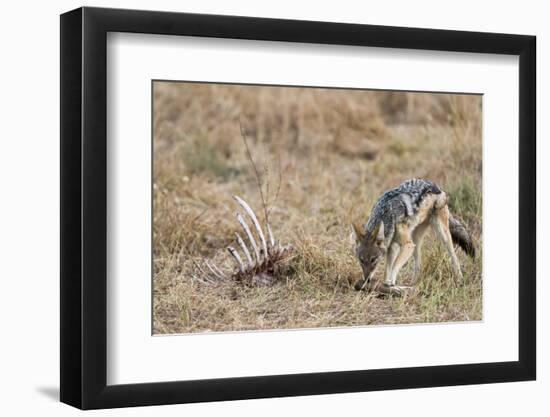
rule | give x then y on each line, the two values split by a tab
397	225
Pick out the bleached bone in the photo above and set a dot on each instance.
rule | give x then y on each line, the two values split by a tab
219	271
259	271
196	278
200	268
201	280
216	272
270	233
205	278
237	257
394	290
254	219
246	229
240	241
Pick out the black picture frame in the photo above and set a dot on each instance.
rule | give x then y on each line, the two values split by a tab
84	207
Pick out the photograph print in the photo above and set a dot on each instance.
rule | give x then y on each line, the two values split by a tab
291	207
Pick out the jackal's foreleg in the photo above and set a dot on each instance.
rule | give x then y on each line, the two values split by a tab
406	245
404	255
391	256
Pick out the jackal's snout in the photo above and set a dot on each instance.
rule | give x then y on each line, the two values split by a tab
369	249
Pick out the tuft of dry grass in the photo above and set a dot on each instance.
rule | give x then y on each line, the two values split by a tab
336	151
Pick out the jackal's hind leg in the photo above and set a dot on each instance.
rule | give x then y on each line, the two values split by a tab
417	237
440	222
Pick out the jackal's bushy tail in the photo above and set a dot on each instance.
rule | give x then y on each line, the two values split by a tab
461	236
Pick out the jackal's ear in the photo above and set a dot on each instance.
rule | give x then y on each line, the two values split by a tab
357	232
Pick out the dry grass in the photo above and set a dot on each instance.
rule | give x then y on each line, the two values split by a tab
337	151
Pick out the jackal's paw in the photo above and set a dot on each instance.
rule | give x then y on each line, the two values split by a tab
394	290
361	285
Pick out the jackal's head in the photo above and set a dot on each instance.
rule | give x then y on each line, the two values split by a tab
369	248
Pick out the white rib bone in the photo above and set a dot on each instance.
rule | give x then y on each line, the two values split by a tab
246	229
218	271
255	271
197	265
201	280
245	250
271	238
214	272
204	280
209	280
237	257
254	219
